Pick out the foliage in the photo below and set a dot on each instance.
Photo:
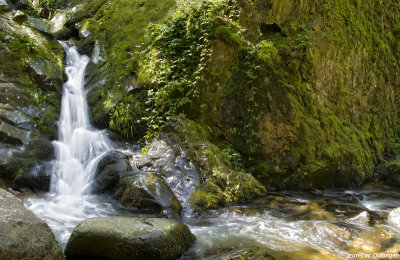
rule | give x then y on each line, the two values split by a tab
183	48
47	7
234	157
24	46
126	117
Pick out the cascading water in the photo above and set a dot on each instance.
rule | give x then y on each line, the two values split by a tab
80	146
79	149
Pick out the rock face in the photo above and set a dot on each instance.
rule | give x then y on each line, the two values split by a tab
128	238
311	106
23	235
31	76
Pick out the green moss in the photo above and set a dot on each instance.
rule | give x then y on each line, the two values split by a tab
206	198
123	45
307	125
225	34
389	172
122	48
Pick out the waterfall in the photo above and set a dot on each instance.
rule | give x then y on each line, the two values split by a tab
79	148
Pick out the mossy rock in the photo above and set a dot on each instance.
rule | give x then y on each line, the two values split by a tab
110	169
221	183
127	238
31	168
24	235
149	191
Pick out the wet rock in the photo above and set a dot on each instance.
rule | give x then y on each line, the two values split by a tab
142	190
149	191
23	235
4	7
173	164
363	218
31	168
37	179
39	24
58	25
64	21
128	238
394	217
19	16
109	171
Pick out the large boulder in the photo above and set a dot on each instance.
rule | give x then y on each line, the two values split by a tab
135	189
109	171
201	174
172	163
128	238
149	191
23	235
32	167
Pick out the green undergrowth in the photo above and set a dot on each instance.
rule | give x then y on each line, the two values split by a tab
176	61
120	28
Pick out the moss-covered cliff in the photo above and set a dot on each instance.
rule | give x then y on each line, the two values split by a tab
303	92
31	76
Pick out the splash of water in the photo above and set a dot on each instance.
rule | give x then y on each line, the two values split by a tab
79	149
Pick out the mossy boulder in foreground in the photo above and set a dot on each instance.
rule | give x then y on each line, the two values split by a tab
22	234
128	238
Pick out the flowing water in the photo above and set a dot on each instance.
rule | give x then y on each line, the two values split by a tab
79	148
289	225
294	225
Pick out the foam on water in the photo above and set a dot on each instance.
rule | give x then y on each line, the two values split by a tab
79	149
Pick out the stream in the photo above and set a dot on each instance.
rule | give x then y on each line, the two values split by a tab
301	225
290	225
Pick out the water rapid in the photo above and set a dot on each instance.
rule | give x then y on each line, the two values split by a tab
78	149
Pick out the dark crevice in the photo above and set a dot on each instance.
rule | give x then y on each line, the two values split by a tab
268	29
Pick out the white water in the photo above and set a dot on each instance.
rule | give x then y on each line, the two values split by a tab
78	149
80	146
